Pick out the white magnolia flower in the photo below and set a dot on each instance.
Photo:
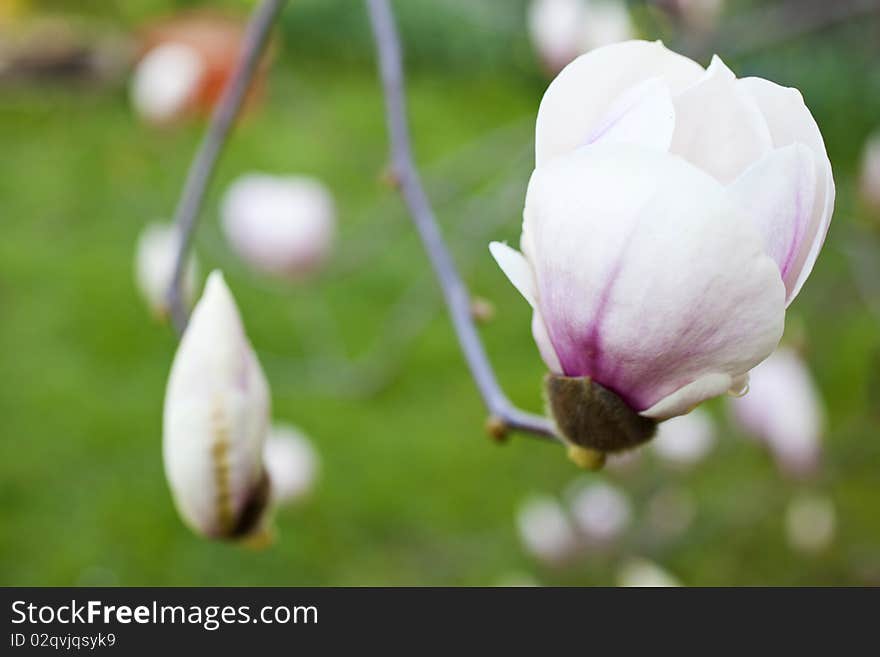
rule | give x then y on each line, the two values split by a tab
673	215
687	439
216	420
166	81
546	531
155	256
563	29
291	462
784	410
601	513
869	178
280	225
809	523
641	573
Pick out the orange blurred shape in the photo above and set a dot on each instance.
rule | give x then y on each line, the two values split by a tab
218	40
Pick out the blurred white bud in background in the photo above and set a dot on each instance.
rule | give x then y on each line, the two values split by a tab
291	462
600	511
685	440
155	256
215	422
695	15
783	409
810	523
624	463
563	29
282	226
166	82
869	177
670	512
545	530
641	573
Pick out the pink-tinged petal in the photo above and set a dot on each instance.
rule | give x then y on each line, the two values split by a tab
584	92
778	193
784	410
718	125
545	346
790	122
649	278
643	115
516	268
519	272
685	399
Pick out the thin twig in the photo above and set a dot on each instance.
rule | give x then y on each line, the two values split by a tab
202	168
458	300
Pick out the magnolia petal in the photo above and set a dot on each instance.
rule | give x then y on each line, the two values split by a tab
719	126
778	194
643	115
216	416
628	276
790	122
545	346
516	268
684	399
585	90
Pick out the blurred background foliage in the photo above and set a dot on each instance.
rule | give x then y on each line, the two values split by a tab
363	358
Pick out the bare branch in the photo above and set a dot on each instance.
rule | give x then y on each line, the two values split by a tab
201	169
504	415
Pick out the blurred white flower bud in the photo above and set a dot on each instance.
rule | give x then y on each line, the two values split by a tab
696	15
155	256
563	29
783	410
641	573
809	523
166	81
216	420
283	226
670	512
685	440
291	462
546	531
869	178
601	513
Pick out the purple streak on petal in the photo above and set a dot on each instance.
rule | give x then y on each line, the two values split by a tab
580	349
797	238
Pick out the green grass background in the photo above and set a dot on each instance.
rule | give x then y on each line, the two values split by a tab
363	358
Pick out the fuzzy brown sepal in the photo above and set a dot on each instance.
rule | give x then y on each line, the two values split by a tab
589	415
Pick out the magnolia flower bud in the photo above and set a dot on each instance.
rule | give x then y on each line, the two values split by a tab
166	82
869	178
155	257
216	419
809	523
601	513
563	29
641	573
685	440
280	225
783	409
546	531
291	462
673	214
